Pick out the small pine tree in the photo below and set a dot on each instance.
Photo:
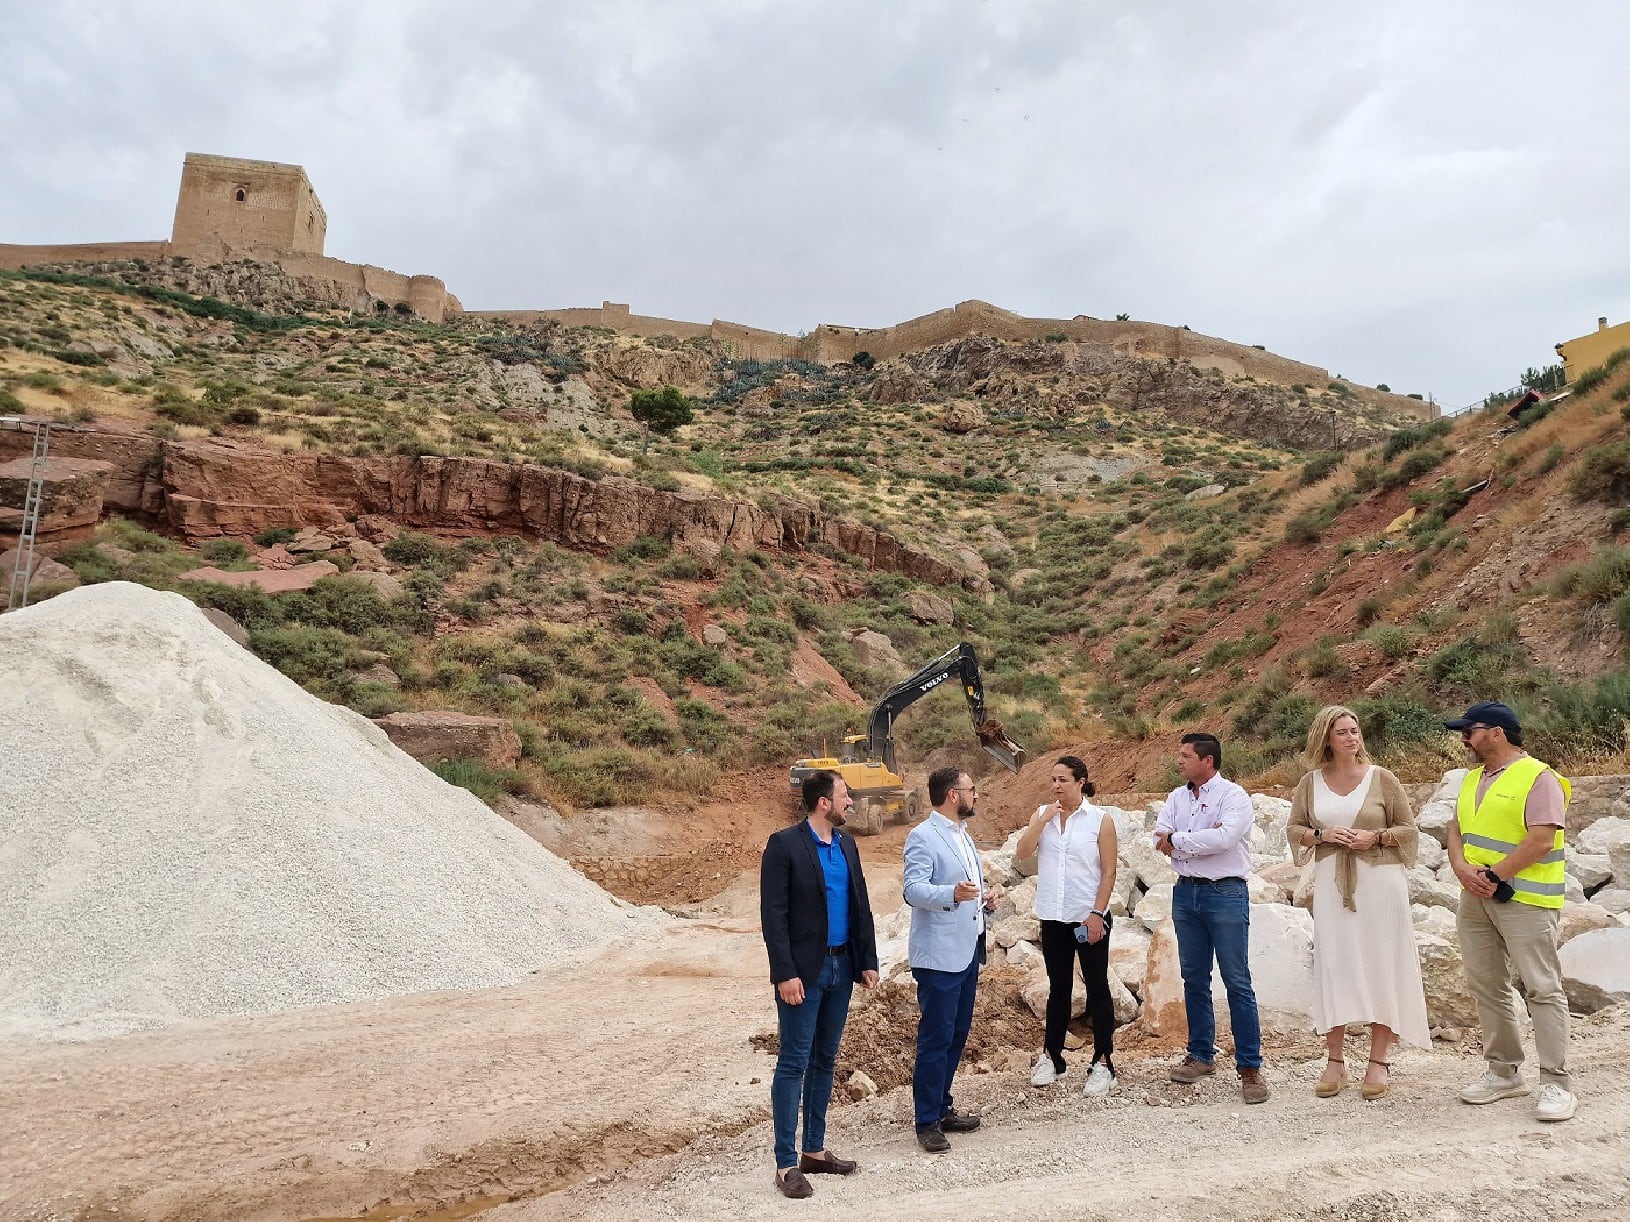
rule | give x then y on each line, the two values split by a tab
662	411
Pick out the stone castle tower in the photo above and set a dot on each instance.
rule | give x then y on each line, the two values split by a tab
229	203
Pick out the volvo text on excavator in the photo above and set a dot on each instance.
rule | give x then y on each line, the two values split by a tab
867	762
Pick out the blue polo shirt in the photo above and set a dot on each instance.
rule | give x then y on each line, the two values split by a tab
835	870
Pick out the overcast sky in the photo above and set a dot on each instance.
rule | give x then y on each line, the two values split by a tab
1427	193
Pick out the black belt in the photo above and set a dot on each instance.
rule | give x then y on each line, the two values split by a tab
1208	882
838	950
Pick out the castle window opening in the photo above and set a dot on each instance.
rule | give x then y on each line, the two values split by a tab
240	195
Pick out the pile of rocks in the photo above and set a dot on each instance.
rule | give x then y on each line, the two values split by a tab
1147	985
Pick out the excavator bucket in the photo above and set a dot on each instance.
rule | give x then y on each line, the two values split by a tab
998	745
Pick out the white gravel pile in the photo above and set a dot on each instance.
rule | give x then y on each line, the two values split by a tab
186	833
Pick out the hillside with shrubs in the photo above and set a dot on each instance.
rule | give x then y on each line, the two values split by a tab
1146	547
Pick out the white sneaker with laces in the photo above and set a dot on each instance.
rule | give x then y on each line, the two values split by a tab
1099	1081
1555	1103
1493	1086
1045	1074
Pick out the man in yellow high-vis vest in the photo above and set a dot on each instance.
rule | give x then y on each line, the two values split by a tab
1505	846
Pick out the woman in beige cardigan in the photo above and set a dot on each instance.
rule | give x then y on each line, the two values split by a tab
1352	819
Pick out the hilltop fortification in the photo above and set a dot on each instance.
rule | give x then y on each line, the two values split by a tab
229	209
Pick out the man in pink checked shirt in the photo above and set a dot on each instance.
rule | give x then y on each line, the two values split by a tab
1205	828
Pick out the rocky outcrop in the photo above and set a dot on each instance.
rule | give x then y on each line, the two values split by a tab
441	735
1058	378
212	489
71	492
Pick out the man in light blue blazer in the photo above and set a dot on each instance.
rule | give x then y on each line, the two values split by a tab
944	884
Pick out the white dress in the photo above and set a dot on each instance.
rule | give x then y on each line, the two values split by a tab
1365	965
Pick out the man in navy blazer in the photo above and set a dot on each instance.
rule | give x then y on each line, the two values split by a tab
945	886
817	921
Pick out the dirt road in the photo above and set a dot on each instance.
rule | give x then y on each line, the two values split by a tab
638	1069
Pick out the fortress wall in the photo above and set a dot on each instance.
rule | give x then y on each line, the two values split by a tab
755	343
358	285
14	257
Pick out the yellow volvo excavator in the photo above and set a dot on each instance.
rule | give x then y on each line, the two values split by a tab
867	762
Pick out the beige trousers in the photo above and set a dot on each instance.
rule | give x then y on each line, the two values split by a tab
1503	944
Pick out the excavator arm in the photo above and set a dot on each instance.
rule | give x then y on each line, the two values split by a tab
962	663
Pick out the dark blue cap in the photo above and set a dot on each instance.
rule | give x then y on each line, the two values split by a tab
1489	713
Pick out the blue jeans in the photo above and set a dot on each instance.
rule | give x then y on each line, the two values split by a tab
945	1002
809	1036
1215	919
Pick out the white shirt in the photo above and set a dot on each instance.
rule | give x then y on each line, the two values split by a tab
1211	829
1068	869
970	860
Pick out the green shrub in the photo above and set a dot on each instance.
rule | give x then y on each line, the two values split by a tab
224	551
1600	579
1395	720
1419	463
1319	467
1411	438
1304	528
306	655
1603	474
484	781
1581	721
276	535
1393	642
1322	659
411	547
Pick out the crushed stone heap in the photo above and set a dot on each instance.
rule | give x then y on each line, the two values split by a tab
185	833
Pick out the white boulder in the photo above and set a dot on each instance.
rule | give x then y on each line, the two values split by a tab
1591	869
1615	899
1155	906
1448	1004
1582	918
1021	927
1601	836
1129	953
1436	812
1140	859
1596	969
1281	957
1025	956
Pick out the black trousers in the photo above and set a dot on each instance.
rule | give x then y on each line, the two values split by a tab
1060	950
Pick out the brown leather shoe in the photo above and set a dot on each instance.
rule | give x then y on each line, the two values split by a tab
959	1122
1252	1087
1191	1071
826	1164
793	1184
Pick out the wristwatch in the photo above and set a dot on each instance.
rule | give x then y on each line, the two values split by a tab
1318	835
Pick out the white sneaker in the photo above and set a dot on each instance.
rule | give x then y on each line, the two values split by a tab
1492	1086
1045	1074
1555	1103
1099	1081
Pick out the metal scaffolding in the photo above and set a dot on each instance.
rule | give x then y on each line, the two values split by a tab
22	571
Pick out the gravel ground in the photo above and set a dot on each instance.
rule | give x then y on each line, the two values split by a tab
1153	1149
186	833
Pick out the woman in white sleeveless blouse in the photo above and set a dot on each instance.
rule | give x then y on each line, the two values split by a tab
1075	849
1352	819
